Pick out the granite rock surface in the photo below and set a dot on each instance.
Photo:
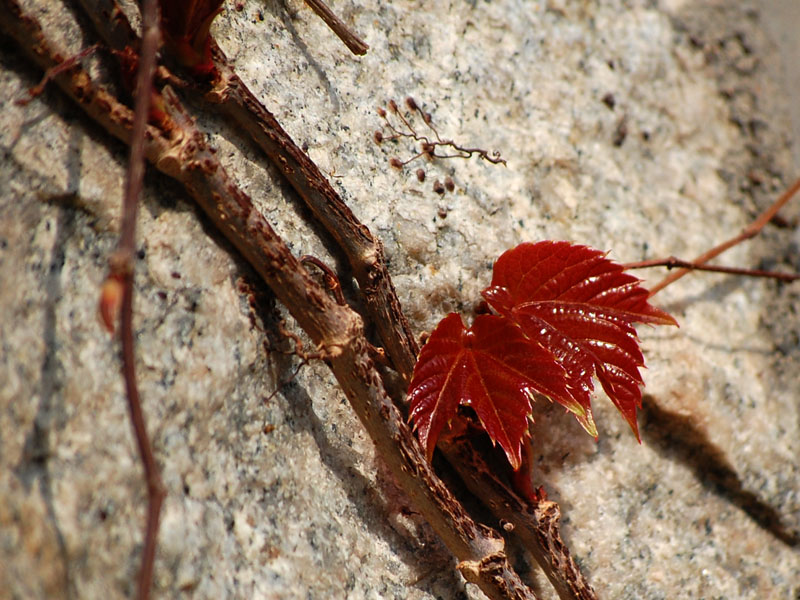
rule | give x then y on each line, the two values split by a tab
645	128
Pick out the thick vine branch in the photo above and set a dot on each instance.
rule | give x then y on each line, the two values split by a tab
181	153
536	524
363	251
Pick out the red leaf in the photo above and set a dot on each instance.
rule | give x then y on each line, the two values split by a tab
566	315
491	367
581	306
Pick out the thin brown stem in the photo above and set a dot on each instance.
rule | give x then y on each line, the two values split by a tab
38	89
155	487
355	44
182	154
673	263
122	268
748	232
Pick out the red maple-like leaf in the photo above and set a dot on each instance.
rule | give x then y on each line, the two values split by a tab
566	314
491	367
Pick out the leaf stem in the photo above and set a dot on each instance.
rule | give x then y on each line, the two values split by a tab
748	232
671	263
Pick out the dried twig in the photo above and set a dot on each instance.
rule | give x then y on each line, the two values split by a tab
428	145
748	232
182	154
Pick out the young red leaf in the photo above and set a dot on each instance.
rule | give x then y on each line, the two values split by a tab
581	306
491	367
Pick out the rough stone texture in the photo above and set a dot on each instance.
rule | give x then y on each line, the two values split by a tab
281	495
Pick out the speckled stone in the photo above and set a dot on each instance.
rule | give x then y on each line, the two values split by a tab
647	129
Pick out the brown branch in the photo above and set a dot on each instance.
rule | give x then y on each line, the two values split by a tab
182	154
363	251
673	263
748	232
355	44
